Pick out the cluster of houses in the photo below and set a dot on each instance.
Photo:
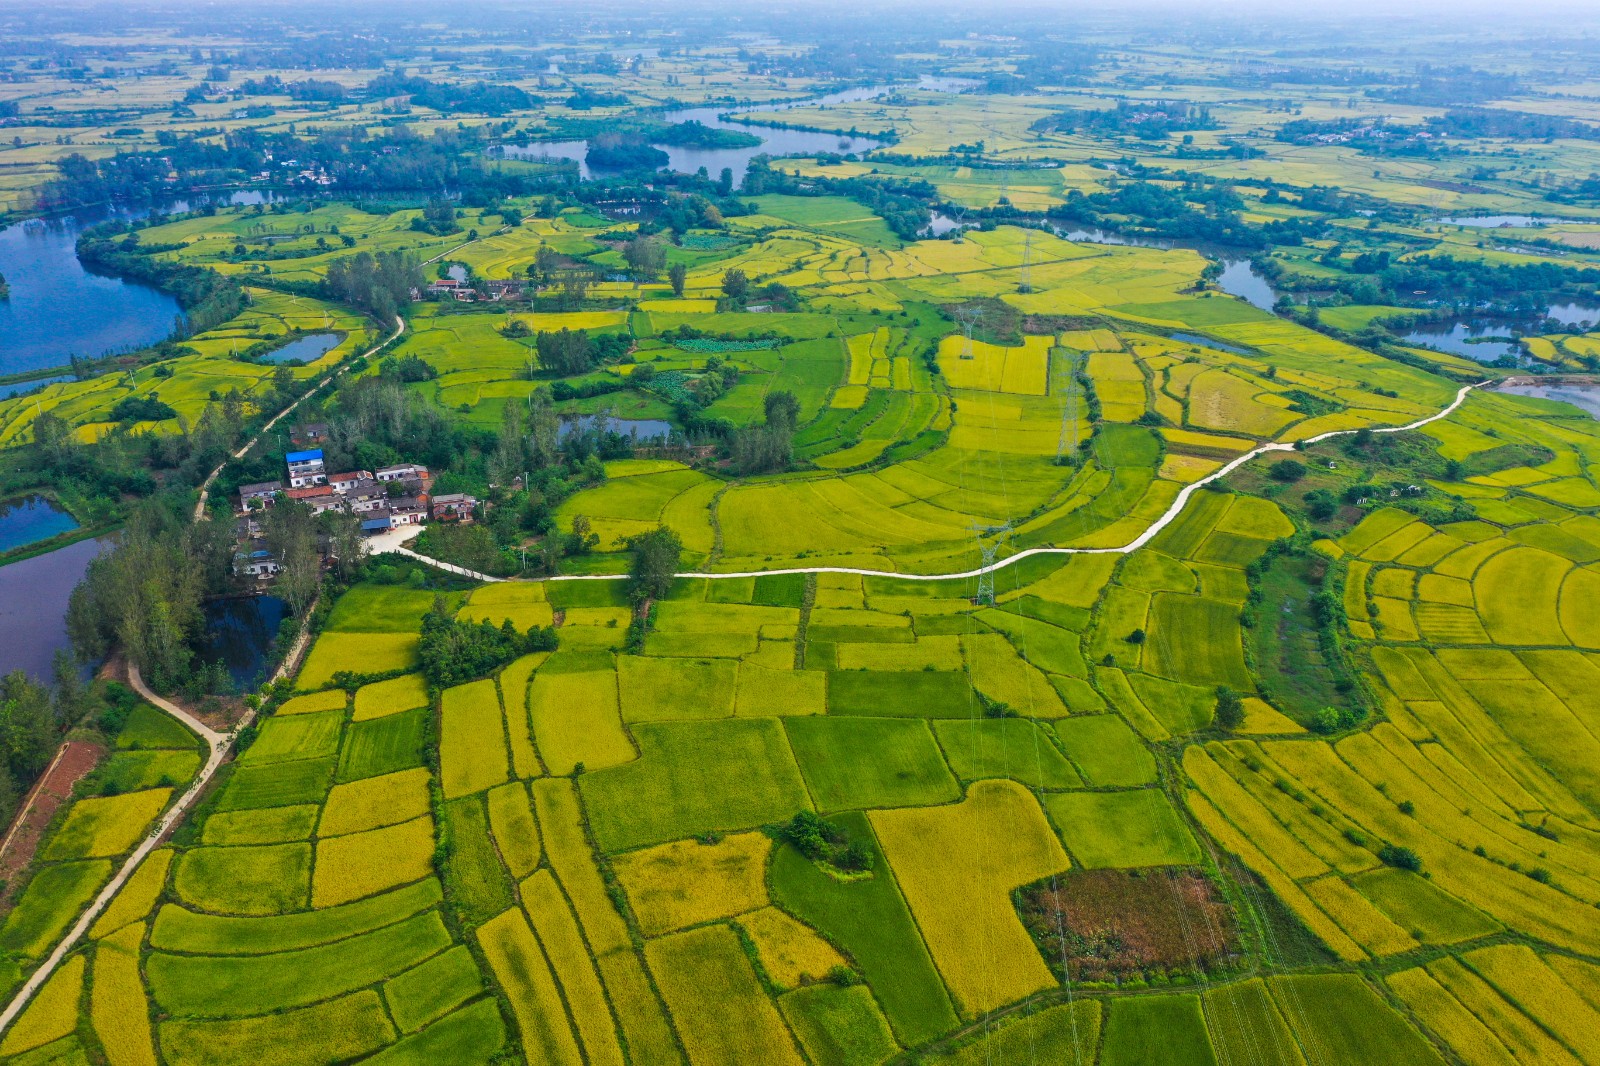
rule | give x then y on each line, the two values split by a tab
385	499
493	289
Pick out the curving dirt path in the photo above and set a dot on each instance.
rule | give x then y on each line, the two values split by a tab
1167	518
219	745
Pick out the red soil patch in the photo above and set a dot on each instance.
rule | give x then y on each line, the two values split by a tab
1104	925
75	759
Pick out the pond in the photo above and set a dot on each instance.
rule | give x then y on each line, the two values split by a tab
33	605
640	429
1586	397
307	349
30	520
1240	278
240	633
1489	339
1483	340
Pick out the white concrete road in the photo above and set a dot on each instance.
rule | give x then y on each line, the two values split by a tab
380	544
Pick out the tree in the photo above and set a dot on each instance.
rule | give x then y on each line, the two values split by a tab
656	556
27	726
291	532
1321	504
783	409
566	352
53	436
1230	709
346	544
1400	857
1288	471
71	694
735	285
144	597
645	257
677	275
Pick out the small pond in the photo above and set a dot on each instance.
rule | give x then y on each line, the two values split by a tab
641	429
240	632
1207	342
307	349
31	519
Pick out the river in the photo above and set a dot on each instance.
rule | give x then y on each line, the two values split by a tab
1584	397
59	309
33	605
774	140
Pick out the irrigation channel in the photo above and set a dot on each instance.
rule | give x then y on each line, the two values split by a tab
221	744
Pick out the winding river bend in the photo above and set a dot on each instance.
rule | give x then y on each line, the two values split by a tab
775	140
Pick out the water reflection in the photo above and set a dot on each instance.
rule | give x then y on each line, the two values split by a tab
33	605
30	520
240	633
1586	397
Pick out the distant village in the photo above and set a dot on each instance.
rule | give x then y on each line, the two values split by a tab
386	499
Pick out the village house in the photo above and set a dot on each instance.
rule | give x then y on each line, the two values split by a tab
318	497
407	511
342	483
306	468
366	495
254	560
261	494
403	472
309	434
454	507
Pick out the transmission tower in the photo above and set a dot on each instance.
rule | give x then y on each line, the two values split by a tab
990	552
969	316
1027	255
